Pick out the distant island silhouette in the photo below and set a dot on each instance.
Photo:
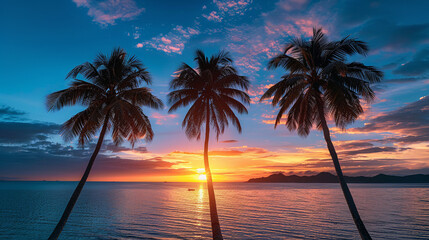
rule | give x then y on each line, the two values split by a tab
325	177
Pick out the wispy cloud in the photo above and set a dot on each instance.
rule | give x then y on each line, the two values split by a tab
226	9
161	118
418	65
407	124
213	16
172	42
8	113
233	7
255	44
109	11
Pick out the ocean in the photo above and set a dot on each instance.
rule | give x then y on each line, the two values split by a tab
105	210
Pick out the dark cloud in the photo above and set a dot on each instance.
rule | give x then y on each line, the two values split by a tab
388	36
418	65
9	114
410	122
229	141
28	153
372	150
21	132
369	167
53	161
404	80
352	167
358	11
354	144
115	149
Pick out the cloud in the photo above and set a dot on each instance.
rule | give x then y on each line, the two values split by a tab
116	149
21	132
354	144
8	113
227	9
251	47
136	33
418	65
213	16
404	79
172	42
233	7
254	44
372	150
27	163
161	118
109	11
385	35
229	141
407	124
358	11
31	157
292	5
370	167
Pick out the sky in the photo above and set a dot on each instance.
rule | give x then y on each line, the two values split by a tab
41	41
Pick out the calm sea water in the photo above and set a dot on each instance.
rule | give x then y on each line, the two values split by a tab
30	210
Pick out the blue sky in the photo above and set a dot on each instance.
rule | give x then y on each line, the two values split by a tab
42	41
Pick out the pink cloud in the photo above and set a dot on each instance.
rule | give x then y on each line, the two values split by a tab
253	47
161	119
165	40
227	8
213	16
249	63
290	5
172	42
295	27
256	91
233	7
109	11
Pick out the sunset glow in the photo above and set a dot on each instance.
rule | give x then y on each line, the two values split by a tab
389	137
202	177
214	119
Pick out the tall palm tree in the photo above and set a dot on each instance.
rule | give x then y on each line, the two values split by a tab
112	96
213	89
320	83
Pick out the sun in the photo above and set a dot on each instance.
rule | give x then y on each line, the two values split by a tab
202	177
201	174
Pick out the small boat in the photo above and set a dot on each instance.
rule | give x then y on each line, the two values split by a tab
191	189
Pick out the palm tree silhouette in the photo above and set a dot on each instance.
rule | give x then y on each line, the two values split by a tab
320	83
112	97
214	88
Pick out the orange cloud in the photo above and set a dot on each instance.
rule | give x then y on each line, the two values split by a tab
161	119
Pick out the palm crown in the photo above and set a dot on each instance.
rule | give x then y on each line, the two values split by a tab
214	88
319	79
111	95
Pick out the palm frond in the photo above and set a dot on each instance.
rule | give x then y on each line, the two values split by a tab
113	94
318	77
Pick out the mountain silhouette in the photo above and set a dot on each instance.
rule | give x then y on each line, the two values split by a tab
325	177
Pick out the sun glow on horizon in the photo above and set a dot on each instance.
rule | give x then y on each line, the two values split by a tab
202	177
201	174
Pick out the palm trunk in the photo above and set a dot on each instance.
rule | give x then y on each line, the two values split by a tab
217	234
58	229
347	194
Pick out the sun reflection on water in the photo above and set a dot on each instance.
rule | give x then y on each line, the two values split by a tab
200	205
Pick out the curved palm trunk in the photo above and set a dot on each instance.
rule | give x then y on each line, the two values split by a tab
217	234
347	194
58	229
